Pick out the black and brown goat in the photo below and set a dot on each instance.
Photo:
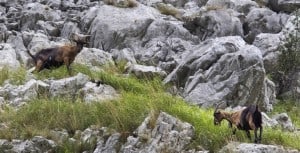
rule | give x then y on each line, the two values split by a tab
247	119
57	56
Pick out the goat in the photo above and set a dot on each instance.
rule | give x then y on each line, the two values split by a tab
249	118
57	56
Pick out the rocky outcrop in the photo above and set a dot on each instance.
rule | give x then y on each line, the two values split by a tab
268	45
92	92
262	20
284	5
223	69
215	23
242	6
167	134
8	57
94	58
282	121
19	95
72	87
142	71
163	133
235	147
37	144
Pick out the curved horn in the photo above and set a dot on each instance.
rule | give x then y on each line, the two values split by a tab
217	105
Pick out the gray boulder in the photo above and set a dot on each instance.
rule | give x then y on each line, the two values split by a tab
268	44
33	12
215	23
223	69
37	42
93	57
168	134
285	122
3	31
153	41
17	43
282	121
143	71
163	42
68	87
18	95
50	28
113	25
242	6
235	147
37	144
91	92
8	56
261	20
123	55
110	146
284	5
104	139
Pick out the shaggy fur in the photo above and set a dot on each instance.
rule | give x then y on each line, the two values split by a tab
247	119
57	56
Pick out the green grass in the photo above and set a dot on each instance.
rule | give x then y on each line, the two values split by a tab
291	107
15	77
138	99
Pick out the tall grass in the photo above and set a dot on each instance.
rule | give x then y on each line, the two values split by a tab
15	76
138	99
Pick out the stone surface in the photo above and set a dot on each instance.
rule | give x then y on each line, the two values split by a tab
235	147
68	87
167	134
223	69
8	57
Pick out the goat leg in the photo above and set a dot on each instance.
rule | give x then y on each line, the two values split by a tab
248	134
233	131
255	136
260	133
67	63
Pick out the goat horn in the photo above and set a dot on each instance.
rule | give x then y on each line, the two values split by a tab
218	104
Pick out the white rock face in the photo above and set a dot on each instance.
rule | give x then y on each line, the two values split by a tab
8	57
223	69
268	45
37	144
18	95
92	92
93	57
68	87
235	147
169	134
142	71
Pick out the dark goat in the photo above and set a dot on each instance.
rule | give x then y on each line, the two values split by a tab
247	119
57	56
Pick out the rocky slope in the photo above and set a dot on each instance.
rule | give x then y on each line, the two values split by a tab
211	51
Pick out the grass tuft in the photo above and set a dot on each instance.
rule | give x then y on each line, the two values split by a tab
15	77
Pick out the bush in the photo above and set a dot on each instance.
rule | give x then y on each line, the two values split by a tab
289	59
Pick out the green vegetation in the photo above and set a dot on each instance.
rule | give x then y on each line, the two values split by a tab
138	99
15	77
289	59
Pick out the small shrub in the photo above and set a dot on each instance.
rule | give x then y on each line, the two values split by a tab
289	59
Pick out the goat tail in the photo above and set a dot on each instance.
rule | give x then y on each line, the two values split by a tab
30	55
257	117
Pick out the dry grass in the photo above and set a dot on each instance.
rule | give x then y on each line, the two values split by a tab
168	9
122	3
